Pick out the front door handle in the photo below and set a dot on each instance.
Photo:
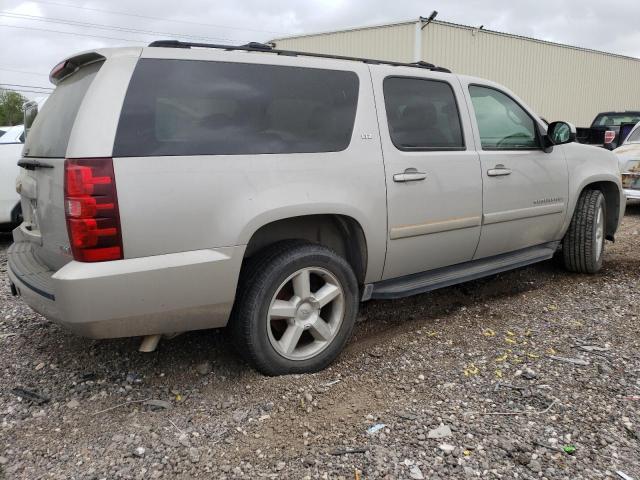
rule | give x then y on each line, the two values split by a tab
409	175
499	171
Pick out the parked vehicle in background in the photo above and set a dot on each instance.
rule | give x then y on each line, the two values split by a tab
11	144
608	129
3	130
171	189
629	162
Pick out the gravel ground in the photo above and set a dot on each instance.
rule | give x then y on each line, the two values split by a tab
464	381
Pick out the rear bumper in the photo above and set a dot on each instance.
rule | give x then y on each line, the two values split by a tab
141	296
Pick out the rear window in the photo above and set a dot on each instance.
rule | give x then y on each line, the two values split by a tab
49	134
189	107
615	119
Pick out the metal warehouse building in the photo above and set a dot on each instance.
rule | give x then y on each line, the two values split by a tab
560	82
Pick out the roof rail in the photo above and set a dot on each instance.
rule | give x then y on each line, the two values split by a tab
262	47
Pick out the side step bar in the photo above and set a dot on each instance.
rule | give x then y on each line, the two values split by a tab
463	272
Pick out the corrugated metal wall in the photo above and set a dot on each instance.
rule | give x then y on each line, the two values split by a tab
392	42
559	82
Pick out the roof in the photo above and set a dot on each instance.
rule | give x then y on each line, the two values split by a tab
457	25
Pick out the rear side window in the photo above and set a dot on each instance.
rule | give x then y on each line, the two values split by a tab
188	107
49	134
422	114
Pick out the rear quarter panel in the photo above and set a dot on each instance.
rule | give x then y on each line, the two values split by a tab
182	203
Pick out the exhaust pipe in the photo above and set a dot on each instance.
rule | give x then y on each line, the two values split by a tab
149	343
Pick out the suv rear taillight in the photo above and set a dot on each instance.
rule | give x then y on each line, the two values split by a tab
91	209
609	136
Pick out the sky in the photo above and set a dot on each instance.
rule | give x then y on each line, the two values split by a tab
33	38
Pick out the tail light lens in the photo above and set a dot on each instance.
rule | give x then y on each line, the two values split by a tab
91	209
609	135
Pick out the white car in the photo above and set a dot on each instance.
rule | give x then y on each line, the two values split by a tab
11	144
629	162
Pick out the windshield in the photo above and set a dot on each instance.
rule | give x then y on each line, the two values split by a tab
616	119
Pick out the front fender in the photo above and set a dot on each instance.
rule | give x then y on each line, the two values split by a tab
597	167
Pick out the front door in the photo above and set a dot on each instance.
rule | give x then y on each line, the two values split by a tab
525	189
434	190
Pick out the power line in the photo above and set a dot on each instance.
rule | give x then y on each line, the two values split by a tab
62	21
25	86
24	72
23	90
151	18
73	33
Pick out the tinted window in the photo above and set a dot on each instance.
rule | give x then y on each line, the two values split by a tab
615	119
422	114
49	134
503	124
186	107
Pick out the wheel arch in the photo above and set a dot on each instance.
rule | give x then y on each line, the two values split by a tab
341	233
612	195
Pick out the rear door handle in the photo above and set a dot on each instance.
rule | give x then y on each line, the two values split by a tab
409	175
499	171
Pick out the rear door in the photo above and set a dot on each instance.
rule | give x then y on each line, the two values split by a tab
434	190
524	188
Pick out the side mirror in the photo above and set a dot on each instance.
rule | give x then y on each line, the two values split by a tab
559	133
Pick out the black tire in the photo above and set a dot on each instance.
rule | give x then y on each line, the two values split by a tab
261	278
582	252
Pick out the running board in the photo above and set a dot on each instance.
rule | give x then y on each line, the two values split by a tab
463	272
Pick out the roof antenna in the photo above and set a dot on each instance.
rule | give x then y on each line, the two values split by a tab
429	19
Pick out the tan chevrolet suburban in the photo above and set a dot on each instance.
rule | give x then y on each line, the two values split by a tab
191	186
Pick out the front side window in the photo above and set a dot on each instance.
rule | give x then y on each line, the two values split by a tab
503	124
422	114
189	107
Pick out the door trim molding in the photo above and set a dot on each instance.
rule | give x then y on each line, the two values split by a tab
521	213
406	231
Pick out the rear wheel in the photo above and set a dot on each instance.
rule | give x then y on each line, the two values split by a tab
296	308
583	244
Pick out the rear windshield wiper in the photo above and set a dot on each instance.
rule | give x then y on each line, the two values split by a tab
33	164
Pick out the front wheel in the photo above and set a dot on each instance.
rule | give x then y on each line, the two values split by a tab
296	308
583	244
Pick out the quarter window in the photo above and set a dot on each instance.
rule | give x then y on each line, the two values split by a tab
189	107
503	124
422	114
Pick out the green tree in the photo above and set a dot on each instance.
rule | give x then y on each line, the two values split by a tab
11	107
